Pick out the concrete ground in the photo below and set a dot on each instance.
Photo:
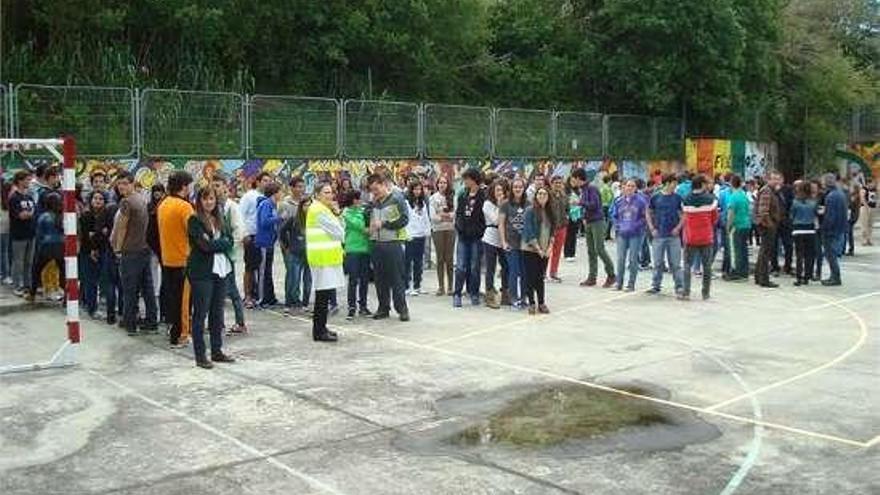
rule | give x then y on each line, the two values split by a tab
787	378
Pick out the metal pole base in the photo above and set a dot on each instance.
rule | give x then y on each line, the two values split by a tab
65	356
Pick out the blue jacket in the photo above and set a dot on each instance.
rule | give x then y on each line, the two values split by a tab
49	231
803	213
834	219
267	223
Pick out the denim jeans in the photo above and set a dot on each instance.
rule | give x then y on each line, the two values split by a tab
111	287
22	260
515	275
670	247
89	276
297	280
724	242
704	254
467	266
628	248
414	260
831	245
235	296
5	255
357	265
207	300
137	280
740	260
494	257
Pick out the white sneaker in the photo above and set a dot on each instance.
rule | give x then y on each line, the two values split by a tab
7	281
19	292
569	260
56	296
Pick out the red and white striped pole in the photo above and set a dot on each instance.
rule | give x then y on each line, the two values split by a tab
68	186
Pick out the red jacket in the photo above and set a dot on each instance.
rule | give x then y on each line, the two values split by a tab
700	217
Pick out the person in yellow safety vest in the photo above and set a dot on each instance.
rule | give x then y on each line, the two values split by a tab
324	235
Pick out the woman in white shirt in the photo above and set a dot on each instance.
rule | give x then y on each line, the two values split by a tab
492	244
417	230
442	210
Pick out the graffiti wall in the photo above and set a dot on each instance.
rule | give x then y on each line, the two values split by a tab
860	159
241	172
720	156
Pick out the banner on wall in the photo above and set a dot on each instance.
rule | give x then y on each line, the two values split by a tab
860	159
713	157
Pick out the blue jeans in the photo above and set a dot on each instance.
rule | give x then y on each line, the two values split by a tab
297	271
5	258
357	265
704	254
90	274
628	248
515	271
111	288
235	296
467	266
494	257
414	261
722	242
832	244
670	247
137	282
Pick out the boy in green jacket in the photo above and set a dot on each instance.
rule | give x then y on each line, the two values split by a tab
357	252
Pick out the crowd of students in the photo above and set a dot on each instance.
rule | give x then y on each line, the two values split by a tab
169	255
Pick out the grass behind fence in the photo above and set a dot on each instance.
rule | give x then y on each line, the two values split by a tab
376	129
523	133
293	127
192	124
457	132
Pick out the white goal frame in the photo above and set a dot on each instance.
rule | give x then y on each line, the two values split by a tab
66	354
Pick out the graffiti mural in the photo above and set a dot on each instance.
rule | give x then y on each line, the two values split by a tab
861	158
720	156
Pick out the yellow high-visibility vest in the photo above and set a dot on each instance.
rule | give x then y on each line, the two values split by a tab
321	249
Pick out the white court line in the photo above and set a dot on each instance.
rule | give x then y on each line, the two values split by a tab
841	301
528	319
863	336
219	433
872	442
597	386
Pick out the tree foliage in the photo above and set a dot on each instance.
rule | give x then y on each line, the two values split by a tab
790	70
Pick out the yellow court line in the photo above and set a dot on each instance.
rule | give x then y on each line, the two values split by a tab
863	336
529	319
597	386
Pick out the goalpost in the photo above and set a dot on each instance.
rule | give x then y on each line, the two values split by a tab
66	354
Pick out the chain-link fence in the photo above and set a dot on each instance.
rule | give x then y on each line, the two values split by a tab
100	119
669	138
522	133
192	124
579	135
454	131
293	127
865	125
629	136
4	112
381	129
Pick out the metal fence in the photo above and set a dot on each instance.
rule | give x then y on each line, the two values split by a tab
454	131
101	119
126	123
380	129
523	133
579	135
293	127
865	125
192	124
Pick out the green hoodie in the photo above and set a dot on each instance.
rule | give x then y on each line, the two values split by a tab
357	238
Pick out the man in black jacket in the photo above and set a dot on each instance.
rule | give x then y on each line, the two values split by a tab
469	224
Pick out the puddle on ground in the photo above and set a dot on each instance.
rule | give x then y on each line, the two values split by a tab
558	419
555	414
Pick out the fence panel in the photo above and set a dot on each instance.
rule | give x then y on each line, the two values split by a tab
521	133
191	124
866	125
4	112
455	131
380	129
101	119
293	127
629	136
670	140
579	135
